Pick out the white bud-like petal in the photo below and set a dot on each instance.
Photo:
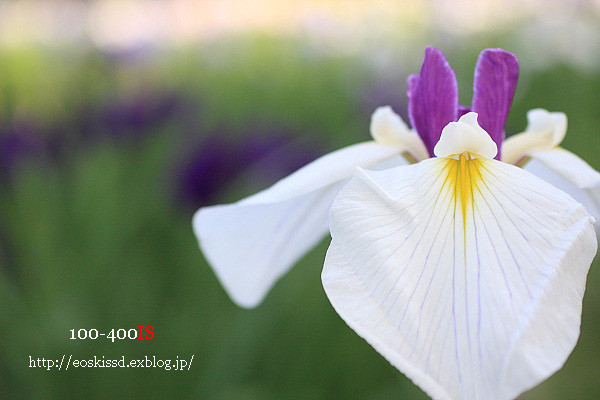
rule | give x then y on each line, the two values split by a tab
389	129
545	130
465	136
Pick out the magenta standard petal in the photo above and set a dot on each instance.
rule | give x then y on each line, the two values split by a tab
432	98
496	77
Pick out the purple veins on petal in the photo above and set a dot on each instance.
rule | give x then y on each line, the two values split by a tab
496	77
433	98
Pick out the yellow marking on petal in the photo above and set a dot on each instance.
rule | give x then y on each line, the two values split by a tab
464	174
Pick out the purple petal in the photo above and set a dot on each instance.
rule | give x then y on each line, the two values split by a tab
496	77
433	98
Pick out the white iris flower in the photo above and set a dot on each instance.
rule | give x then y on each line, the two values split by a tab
463	265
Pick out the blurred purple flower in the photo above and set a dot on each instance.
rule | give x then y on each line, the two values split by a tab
205	170
16	145
140	113
130	120
209	169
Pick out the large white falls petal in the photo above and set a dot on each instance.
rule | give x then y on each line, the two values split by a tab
467	275
252	243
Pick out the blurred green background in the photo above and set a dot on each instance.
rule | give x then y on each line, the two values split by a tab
119	119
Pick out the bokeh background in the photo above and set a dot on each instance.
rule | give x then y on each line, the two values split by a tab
119	118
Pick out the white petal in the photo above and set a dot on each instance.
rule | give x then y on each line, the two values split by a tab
253	242
467	276
569	173
545	130
540	120
389	129
465	135
569	166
